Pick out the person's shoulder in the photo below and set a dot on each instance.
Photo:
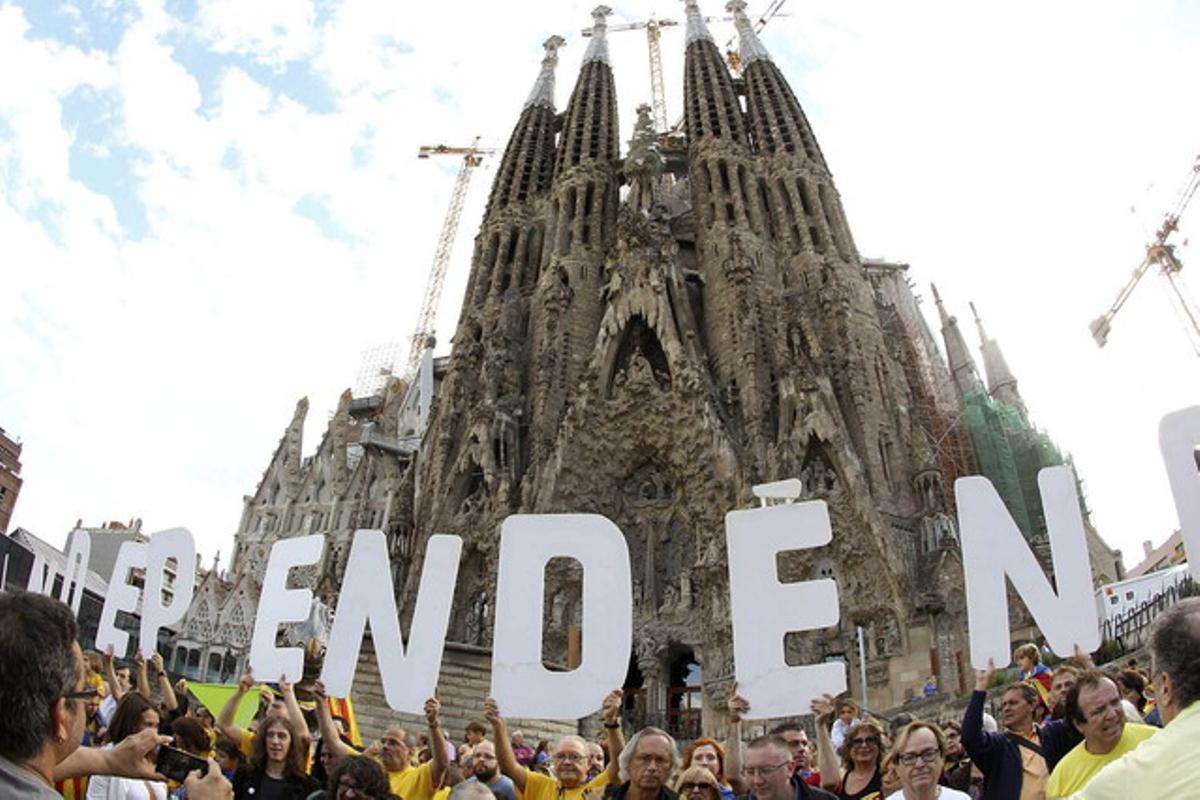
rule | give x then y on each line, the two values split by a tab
600	780
539	777
1138	732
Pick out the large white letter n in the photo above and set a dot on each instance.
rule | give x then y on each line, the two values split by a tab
993	548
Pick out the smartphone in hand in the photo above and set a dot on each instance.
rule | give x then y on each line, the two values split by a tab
176	765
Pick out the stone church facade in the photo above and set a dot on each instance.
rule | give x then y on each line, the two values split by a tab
648	337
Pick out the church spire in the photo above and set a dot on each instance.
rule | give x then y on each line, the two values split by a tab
1001	383
751	48
696	29
528	161
598	46
713	111
543	88
958	355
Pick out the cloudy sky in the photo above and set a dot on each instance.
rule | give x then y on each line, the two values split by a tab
211	208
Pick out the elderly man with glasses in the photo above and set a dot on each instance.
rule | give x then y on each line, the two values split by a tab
569	757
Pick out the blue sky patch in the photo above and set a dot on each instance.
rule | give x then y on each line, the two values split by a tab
101	162
87	24
313	207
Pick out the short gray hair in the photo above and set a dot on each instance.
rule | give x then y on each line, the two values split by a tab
37	667
1175	649
631	747
471	790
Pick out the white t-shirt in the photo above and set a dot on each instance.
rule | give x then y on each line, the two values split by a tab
108	787
944	793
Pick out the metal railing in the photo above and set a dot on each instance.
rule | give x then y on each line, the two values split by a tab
1127	631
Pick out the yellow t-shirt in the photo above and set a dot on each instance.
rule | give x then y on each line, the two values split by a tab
246	743
1079	766
543	787
412	783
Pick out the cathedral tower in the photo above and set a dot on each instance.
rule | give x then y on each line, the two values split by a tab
651	359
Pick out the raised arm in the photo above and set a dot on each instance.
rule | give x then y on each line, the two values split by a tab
295	715
169	700
827	760
110	675
610	713
974	738
333	743
505	756
225	724
733	742
437	741
143	680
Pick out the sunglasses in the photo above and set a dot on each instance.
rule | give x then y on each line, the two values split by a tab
82	694
867	741
684	788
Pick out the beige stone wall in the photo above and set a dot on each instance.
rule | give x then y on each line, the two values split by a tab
463	686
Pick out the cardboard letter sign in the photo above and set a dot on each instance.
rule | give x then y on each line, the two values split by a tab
279	605
409	674
765	610
176	543
522	686
76	569
993	548
121	597
1178	436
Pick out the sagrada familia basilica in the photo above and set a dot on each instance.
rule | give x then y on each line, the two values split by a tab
647	335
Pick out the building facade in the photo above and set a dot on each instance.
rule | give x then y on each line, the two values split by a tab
648	337
10	478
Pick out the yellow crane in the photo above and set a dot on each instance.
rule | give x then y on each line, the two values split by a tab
472	157
1161	253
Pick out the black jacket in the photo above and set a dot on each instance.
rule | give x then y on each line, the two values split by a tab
618	791
998	756
247	783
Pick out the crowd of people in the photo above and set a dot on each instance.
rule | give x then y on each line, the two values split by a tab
88	727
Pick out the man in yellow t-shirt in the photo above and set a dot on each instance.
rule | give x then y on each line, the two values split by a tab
1093	706
569	757
394	751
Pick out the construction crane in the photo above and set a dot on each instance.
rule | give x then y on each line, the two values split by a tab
1161	253
731	55
653	29
471	157
658	95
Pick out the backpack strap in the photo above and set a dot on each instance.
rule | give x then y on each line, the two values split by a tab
1021	741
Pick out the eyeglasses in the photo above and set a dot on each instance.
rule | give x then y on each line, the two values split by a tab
574	758
763	772
928	756
865	741
688	788
83	694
